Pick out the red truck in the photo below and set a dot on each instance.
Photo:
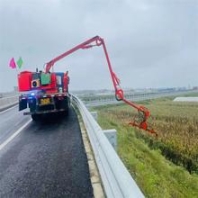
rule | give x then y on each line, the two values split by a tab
44	92
47	92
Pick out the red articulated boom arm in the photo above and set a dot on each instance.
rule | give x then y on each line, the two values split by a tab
119	94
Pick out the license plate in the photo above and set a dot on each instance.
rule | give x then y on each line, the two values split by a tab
45	101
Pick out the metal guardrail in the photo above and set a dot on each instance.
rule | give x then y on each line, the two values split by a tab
116	179
8	101
133	97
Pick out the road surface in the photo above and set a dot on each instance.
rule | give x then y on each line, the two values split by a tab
45	159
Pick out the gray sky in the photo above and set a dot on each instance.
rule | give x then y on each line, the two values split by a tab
151	43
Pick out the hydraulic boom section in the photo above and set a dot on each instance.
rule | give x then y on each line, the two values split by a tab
140	120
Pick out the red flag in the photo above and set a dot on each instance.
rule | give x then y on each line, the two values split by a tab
12	63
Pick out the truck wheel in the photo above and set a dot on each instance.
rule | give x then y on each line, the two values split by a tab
35	117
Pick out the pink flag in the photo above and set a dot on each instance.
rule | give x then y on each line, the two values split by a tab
12	63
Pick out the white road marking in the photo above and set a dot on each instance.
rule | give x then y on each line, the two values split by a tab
14	135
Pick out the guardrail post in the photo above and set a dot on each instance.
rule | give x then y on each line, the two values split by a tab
111	135
95	115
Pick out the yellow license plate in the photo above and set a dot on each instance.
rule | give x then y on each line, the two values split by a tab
45	101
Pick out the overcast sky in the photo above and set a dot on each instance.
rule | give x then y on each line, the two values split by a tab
151	43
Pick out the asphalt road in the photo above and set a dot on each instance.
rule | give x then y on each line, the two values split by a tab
46	159
10	121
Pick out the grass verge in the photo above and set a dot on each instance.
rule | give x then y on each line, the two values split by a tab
155	175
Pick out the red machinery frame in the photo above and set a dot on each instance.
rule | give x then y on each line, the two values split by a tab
119	93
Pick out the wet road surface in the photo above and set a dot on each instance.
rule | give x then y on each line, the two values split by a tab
46	159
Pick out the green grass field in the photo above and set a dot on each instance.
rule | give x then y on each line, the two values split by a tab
165	166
